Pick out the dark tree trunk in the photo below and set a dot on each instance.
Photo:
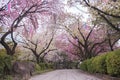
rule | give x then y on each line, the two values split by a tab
9	50
37	59
42	60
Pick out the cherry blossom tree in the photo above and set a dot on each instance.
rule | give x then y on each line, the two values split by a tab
39	55
19	14
112	39
3	5
65	46
39	45
88	41
106	10
106	14
89	45
109	15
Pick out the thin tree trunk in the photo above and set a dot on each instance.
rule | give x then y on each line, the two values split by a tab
37	59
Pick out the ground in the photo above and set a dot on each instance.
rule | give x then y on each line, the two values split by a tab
65	74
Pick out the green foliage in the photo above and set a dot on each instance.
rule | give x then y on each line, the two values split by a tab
113	63
87	65
83	66
99	64
43	66
90	65
72	65
46	66
7	77
107	63
50	66
5	62
37	67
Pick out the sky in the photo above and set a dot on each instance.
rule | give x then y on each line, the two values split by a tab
78	10
3	2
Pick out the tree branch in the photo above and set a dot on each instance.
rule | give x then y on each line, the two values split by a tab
87	3
110	23
47	46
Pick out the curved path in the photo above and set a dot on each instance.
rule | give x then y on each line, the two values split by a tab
65	74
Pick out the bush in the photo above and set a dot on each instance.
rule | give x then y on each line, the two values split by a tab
37	67
99	64
5	63
83	65
7	77
113	63
90	65
43	66
73	65
107	63
50	66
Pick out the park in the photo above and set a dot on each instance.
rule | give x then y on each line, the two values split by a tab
59	39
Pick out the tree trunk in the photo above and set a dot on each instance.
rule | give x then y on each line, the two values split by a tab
110	44
37	59
42	59
10	50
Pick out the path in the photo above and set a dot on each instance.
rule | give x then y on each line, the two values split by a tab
65	74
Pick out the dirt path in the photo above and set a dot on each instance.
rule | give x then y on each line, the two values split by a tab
65	74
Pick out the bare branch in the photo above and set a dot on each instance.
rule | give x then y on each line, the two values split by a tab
47	46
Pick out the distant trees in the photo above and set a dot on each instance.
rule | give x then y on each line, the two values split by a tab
66	47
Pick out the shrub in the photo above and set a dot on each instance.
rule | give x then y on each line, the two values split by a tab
50	66
83	65
87	65
113	63
43	66
90	65
107	63
5	63
7	77
37	67
99	64
73	65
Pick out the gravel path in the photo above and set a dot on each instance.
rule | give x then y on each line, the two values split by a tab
65	74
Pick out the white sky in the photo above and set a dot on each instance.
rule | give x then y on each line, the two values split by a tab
3	2
78	10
